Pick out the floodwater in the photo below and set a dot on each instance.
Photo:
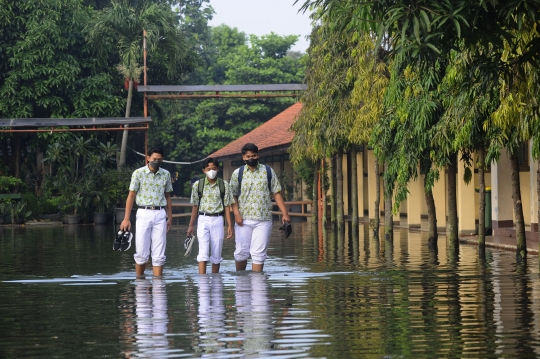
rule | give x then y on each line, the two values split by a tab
65	294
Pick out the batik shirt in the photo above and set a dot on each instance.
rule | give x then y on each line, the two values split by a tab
211	197
255	202
150	187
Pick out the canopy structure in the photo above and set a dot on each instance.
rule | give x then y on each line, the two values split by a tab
33	125
190	92
74	124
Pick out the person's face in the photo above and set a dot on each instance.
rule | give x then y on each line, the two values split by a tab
249	155
210	167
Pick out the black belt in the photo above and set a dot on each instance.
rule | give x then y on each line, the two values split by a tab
211	214
156	208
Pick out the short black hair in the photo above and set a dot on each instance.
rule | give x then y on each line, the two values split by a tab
208	161
250	147
155	150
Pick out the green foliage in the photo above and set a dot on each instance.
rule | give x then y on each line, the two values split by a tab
8	182
47	69
78	164
307	175
115	186
18	211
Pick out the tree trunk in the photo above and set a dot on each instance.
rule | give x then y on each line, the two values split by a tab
17	158
354	187
521	241
538	197
481	203
452	234
339	191
376	219
315	203
432	215
388	217
332	184
123	146
324	192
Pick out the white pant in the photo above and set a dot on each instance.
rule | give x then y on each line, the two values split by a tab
210	233
150	236
252	238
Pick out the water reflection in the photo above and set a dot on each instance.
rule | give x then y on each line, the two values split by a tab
329	295
253	312
151	318
211	315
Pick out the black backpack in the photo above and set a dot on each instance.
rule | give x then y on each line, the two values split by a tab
268	177
221	185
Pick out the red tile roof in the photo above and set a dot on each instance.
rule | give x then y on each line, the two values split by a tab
273	133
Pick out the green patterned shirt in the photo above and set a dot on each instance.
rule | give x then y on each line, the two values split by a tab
255	202
211	197
150	187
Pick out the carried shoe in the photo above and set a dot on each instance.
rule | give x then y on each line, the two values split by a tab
126	241
286	226
188	244
118	240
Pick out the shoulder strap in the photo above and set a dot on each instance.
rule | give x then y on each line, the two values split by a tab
221	185
201	188
269	178
240	175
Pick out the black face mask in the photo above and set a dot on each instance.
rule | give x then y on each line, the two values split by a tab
252	162
155	164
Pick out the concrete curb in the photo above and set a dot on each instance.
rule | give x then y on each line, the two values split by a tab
496	245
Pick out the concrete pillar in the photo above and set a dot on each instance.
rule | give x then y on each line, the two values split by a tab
502	211
345	168
360	184
414	203
466	208
439	194
371	184
533	165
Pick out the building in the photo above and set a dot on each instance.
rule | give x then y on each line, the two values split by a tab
274	138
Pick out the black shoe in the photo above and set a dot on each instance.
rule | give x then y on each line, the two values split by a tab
118	241
126	241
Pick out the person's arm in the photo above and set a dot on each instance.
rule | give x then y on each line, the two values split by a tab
194	214
281	204
236	211
126	223
228	218
169	210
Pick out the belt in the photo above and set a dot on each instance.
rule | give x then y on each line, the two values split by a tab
211	214
152	207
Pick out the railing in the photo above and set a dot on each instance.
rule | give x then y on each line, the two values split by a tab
279	213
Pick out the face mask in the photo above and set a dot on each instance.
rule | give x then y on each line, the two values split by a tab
155	164
252	162
211	174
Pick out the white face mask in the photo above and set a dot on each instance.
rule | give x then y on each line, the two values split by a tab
211	174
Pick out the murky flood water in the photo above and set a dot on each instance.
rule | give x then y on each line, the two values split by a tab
65	294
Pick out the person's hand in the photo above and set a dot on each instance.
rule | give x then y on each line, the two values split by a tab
238	219
190	231
285	218
169	224
229	232
125	225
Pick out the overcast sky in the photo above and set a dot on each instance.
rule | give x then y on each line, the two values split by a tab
261	17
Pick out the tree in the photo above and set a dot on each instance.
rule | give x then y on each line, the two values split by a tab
191	130
48	71
124	24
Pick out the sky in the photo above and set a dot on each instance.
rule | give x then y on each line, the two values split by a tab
260	17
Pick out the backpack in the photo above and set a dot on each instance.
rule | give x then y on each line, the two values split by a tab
221	185
268	177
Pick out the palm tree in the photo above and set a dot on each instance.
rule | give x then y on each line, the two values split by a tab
125	24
